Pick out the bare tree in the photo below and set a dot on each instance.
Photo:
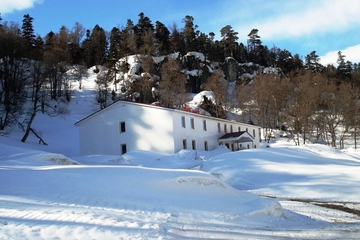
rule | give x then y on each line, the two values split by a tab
304	96
269	96
39	100
331	106
12	73
103	81
219	86
172	87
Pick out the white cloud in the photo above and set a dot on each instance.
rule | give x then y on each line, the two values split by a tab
305	18
7	6
352	54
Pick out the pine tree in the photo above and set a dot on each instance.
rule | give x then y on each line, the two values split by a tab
177	40
312	61
95	47
229	38
142	28
28	30
115	40
127	43
343	70
162	36
189	33
254	40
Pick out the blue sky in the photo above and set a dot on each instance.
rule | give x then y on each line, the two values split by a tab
300	26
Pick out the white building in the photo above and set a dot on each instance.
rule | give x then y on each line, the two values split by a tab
128	126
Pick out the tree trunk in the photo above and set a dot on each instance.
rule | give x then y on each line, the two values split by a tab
28	127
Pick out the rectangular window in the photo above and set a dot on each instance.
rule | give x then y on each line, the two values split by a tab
231	128
123	148
254	133
193	144
122	127
239	129
206	146
183	121
225	128
204	125
184	144
192	123
219	128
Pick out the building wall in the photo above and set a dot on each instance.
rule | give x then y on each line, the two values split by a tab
215	128
154	129
146	128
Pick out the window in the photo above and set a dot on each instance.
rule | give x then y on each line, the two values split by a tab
239	129
122	127
184	144
231	128
254	132
204	125
225	128
192	123
123	148
193	144
206	146
183	121
219	128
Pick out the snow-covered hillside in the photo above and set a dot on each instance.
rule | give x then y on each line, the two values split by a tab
50	192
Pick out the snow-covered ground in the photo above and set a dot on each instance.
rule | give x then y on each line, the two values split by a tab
281	192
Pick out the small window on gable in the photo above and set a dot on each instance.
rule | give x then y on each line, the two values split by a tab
239	129
193	144
123	148
206	146
225	128
204	125
254	133
192	123
122	127
231	128
219	128
184	144
183	121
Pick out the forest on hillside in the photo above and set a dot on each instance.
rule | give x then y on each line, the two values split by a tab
318	103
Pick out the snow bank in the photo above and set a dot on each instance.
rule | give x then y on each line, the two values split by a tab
304	172
14	156
133	188
197	55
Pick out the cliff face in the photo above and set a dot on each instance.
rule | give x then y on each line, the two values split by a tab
195	67
245	72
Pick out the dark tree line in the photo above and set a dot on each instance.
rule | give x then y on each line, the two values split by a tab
96	46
